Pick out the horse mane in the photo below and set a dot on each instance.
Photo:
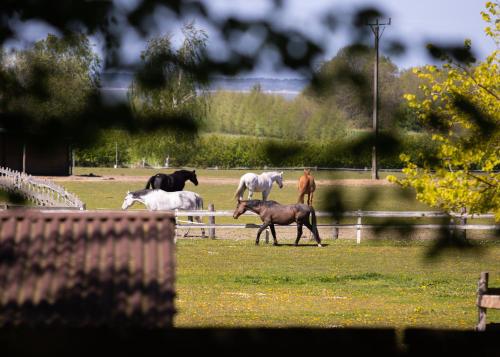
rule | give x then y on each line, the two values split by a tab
138	194
183	172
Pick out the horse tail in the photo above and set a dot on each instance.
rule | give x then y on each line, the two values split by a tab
150	182
241	189
314	224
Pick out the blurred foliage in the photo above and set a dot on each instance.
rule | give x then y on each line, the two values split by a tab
347	77
163	87
48	86
320	113
347	81
460	104
108	21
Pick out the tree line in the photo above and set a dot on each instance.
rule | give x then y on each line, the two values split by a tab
227	151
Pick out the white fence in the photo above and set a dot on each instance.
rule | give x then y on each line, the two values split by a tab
40	192
335	225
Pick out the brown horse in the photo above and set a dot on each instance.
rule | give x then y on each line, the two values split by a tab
271	213
306	185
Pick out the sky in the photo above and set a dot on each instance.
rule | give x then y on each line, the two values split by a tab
413	22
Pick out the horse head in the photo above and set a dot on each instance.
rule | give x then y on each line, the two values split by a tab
241	207
279	179
128	201
193	178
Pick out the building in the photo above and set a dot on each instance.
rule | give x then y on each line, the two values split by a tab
34	159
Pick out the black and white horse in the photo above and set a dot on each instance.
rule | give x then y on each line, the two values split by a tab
172	182
159	200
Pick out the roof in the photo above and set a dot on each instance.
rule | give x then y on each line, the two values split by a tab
86	268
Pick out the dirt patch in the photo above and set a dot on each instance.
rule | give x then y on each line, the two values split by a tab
216	180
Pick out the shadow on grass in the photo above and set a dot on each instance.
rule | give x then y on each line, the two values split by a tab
301	245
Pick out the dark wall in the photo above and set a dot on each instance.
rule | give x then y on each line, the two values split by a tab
53	161
42	161
11	153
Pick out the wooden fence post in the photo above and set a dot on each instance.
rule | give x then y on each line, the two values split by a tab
211	220
482	288
335	230
267	235
463	221
176	223
358	228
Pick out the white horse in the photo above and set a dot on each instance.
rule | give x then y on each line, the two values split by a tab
258	183
159	200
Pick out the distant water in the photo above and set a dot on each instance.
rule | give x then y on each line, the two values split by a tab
287	87
115	85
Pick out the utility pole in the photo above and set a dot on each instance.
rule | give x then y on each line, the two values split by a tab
378	34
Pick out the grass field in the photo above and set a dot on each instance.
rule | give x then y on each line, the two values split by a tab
376	284
380	283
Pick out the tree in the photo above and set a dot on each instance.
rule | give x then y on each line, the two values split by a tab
409	82
165	89
53	80
166	84
460	107
346	80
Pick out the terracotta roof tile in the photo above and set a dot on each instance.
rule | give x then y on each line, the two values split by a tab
86	268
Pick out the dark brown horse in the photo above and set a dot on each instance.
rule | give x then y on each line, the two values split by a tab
271	213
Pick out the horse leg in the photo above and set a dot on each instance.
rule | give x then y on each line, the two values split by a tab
190	219
311	195
299	233
301	197
198	219
264	226
314	232
265	193
250	194
273	232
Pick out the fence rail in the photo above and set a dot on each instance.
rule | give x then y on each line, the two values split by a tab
38	191
335	225
373	214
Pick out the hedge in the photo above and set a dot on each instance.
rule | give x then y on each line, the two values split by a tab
226	151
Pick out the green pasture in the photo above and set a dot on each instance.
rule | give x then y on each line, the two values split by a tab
375	284
109	194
